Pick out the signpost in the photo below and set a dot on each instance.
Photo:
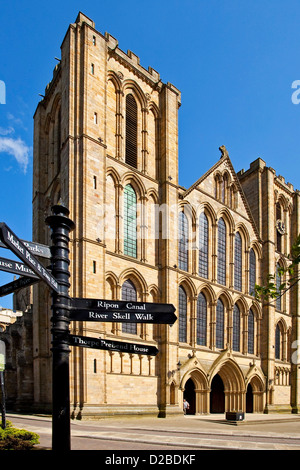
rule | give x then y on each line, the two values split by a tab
20	283
2	367
65	309
110	345
118	311
16	267
36	248
19	249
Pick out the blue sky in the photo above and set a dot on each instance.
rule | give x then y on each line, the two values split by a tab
234	62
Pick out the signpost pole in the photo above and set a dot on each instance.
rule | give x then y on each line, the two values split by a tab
2	367
61	226
3	405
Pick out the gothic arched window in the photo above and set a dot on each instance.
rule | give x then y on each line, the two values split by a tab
201	319
221	252
220	325
278	234
203	245
182	302
278	284
183	237
251	332
236	323
131	131
252	271
129	293
130	223
238	262
277	342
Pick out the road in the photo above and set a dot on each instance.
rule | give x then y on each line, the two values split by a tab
188	434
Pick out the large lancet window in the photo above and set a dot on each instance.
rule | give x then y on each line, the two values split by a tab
203	245
251	332
201	319
221	252
220	325
131	131
129	293
278	284
130	223
183	238
277	342
238	262
182	301
252	272
278	233
236	323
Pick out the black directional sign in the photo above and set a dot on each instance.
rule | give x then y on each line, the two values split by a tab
109	345
35	248
118	311
13	286
15	267
19	249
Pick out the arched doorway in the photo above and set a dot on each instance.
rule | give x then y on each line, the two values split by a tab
249	399
217	395
190	396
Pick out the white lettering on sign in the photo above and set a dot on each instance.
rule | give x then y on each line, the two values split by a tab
106	305
135	307
121	316
144	316
14	242
97	315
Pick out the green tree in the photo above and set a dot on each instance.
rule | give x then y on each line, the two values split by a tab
270	290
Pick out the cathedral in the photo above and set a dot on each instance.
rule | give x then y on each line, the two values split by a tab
106	146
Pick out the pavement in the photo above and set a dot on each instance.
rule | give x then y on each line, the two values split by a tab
205	432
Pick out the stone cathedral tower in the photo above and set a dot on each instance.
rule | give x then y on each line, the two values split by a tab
106	145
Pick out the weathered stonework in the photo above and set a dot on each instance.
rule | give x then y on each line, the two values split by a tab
79	158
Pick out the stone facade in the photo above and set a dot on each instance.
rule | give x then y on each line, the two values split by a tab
106	133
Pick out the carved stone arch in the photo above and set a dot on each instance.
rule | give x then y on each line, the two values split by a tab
111	171
114	78
130	86
137	279
282	262
225	214
255	387
198	376
242	304
137	184
290	208
257	249
188	286
282	200
112	280
200	399
282	325
189	210
154	292
256	309
233	380
154	109
152	192
227	175
208	291
208	211
226	299
243	231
